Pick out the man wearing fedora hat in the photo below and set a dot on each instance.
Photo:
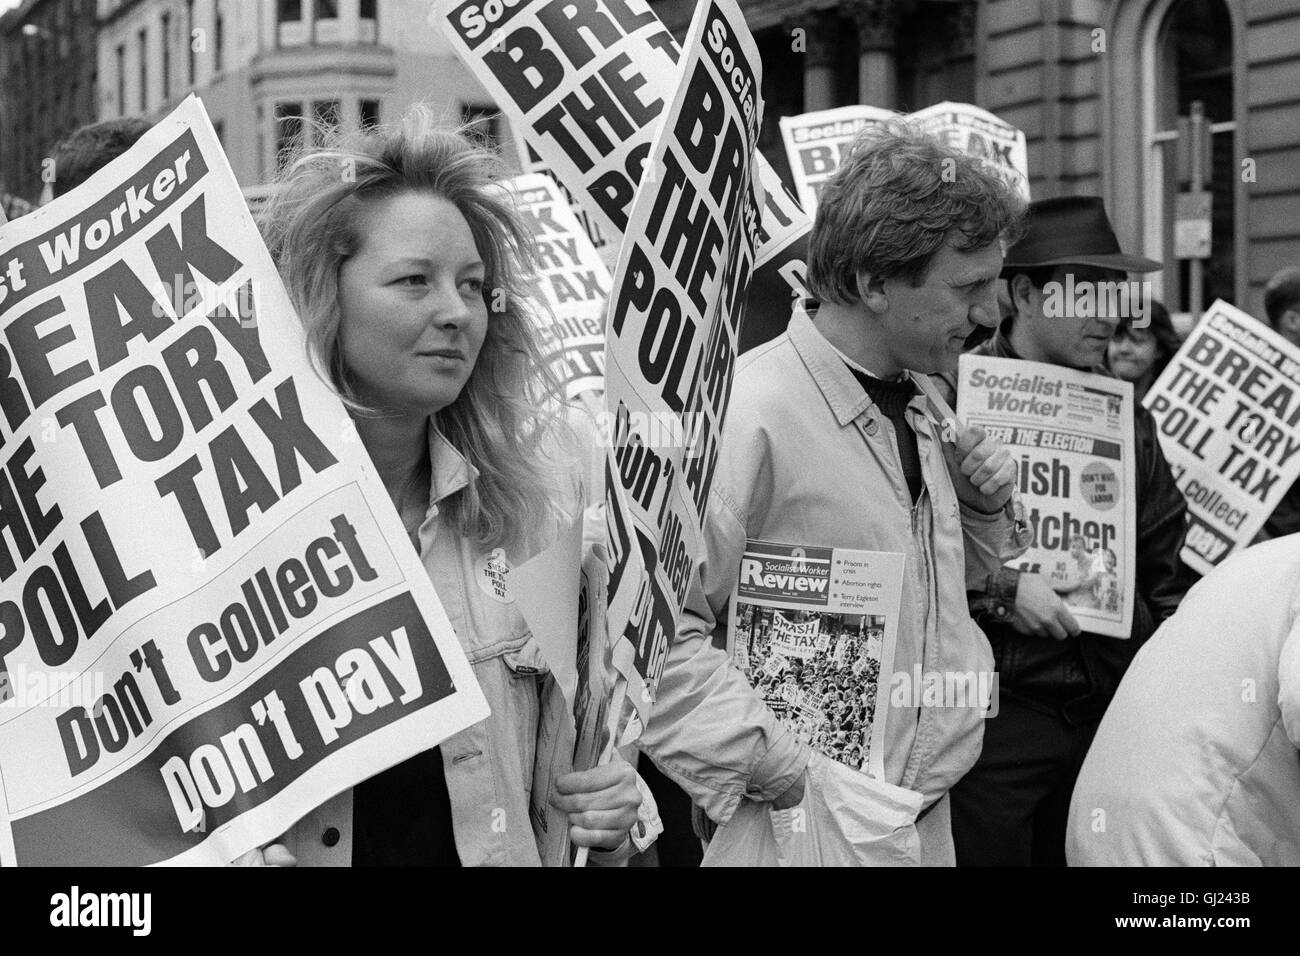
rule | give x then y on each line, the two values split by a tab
1055	681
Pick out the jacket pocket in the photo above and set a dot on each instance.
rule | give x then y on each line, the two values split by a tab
527	660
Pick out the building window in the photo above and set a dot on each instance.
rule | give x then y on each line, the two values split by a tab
484	122
143	38
166	57
1194	66
121	79
325	27
290	30
369	16
1174	58
369	113
288	131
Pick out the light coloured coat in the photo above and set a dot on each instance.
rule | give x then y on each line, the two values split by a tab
808	459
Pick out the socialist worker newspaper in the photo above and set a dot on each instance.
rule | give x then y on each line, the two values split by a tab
815	143
814	630
211	620
1072	433
1227	406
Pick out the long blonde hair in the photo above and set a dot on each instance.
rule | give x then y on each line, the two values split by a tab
509	412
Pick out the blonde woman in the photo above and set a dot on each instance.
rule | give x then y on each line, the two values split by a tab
406	270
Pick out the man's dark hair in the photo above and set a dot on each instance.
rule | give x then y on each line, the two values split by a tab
898	198
93	147
1281	293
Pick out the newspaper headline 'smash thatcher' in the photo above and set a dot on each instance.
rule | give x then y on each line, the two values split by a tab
1073	434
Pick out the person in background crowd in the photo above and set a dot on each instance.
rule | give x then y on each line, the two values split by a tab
93	147
1139	355
1054	682
1282	303
903	261
12	207
81	155
1282	306
1195	762
393	271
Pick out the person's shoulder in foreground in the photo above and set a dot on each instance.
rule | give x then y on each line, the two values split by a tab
1195	762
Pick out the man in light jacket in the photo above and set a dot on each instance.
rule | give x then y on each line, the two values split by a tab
1197	761
835	438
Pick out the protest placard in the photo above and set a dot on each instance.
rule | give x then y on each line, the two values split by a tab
674	317
211	619
795	640
1227	406
1072	433
586	85
573	285
790	604
979	133
777	288
531	162
591	707
815	143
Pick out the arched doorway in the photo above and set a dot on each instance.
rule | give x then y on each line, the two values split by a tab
1168	59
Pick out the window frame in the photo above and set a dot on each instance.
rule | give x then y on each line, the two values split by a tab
1132	63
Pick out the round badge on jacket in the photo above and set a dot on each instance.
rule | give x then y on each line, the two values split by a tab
492	572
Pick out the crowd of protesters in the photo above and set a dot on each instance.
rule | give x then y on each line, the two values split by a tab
390	272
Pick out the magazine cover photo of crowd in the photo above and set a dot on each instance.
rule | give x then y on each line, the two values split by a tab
820	671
